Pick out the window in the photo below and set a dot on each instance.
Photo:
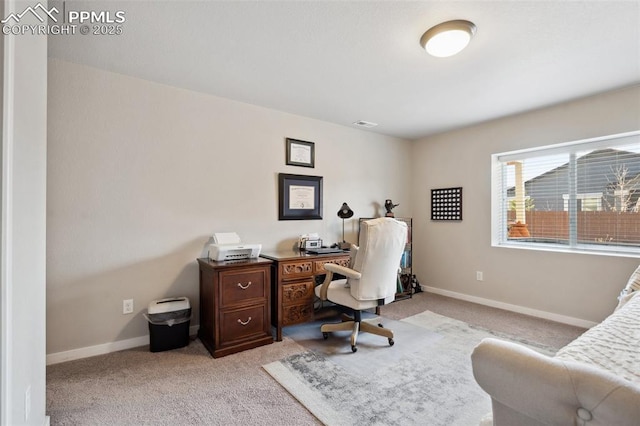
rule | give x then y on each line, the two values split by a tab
579	196
585	202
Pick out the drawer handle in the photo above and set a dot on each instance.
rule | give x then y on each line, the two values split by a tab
244	323
243	286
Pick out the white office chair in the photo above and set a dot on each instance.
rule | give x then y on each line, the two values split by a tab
372	279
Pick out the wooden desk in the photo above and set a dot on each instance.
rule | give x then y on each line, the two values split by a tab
293	274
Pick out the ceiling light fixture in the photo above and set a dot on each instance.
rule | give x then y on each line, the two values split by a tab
448	38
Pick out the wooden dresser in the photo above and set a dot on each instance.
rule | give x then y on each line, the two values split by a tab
235	309
294	278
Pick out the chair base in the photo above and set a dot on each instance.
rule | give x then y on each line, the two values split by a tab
355	327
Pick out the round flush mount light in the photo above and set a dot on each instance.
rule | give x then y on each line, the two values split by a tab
448	38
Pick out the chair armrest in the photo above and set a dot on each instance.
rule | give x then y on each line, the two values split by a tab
343	270
325	285
331	268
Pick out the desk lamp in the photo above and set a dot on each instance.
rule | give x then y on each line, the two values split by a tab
345	212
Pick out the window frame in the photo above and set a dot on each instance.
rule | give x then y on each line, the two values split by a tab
500	203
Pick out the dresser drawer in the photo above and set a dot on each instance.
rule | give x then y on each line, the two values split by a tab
319	264
243	324
296	269
297	292
242	286
296	314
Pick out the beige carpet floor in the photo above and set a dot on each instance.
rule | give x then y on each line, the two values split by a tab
188	387
180	387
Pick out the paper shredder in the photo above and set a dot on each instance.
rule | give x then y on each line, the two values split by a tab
169	321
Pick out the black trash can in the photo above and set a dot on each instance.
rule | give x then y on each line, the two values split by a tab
169	321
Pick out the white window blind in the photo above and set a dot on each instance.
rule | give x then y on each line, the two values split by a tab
577	196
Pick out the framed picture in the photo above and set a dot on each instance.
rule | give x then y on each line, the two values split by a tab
300	197
300	153
446	204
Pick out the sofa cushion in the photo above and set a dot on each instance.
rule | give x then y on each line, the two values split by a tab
634	281
613	345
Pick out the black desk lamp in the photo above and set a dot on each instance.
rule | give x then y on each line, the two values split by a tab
345	212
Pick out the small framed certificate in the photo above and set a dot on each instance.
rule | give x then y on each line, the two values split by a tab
300	197
300	153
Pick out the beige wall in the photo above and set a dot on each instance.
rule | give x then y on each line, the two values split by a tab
140	175
447	255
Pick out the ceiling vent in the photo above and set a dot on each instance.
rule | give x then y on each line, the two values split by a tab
366	124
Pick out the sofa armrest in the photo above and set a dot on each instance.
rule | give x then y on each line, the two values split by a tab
540	390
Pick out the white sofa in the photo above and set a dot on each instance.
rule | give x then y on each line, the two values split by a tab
593	381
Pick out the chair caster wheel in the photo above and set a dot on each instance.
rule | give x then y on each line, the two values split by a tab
325	336
380	325
391	342
354	349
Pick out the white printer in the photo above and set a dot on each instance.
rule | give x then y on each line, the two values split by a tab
227	246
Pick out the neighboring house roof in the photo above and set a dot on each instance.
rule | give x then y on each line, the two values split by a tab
601	168
632	160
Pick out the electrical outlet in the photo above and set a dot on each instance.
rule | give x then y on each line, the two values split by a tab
127	306
27	403
479	276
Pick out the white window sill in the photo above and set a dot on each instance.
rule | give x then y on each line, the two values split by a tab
579	249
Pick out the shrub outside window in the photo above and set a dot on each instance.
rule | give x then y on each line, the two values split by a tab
581	196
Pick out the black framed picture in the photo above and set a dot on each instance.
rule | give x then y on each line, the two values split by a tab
300	197
301	153
446	204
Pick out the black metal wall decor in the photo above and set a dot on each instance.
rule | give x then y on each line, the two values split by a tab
446	204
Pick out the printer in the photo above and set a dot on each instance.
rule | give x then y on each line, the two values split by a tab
227	246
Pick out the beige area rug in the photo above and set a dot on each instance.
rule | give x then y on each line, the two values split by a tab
424	379
179	387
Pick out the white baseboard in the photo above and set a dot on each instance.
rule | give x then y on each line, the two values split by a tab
513	308
121	345
104	348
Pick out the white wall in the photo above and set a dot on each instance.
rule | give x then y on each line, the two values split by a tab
447	255
141	174
22	278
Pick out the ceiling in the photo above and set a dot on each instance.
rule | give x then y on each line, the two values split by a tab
344	61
